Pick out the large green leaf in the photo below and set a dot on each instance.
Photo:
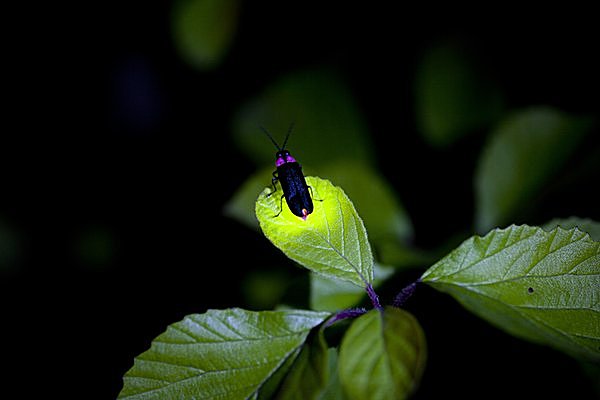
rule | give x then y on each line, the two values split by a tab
203	30
382	355
220	354
522	154
332	241
539	285
454	96
328	123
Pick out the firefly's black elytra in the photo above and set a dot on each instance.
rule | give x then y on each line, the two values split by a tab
289	174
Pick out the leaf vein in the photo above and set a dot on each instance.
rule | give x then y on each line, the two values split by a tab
562	246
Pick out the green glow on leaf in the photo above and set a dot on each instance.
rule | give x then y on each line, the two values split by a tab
332	241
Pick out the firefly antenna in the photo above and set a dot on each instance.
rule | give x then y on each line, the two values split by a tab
271	137
288	135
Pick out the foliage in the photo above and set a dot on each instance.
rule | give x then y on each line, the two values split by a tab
332	242
537	283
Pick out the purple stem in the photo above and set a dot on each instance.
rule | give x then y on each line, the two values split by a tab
404	294
373	296
349	313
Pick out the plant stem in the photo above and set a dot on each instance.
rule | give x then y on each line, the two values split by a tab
405	293
349	313
373	296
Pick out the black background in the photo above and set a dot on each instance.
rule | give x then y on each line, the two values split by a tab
79	151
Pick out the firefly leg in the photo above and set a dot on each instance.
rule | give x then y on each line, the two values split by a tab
312	194
280	206
273	182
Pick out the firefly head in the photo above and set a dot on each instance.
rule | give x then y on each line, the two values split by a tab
282	157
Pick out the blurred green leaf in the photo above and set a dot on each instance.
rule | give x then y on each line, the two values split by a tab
310	372
264	289
538	285
382	355
333	390
454	95
241	205
332	241
374	199
521	155
203	30
401	256
328	294
328	123
221	353
586	225
96	247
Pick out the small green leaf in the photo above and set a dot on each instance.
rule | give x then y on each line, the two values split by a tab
329	123
538	285
310	372
583	224
523	152
454	97
220	354
204	29
382	355
332	241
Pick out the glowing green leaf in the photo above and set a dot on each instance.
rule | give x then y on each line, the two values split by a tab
332	241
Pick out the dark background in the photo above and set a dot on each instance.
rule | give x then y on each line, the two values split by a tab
114	147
